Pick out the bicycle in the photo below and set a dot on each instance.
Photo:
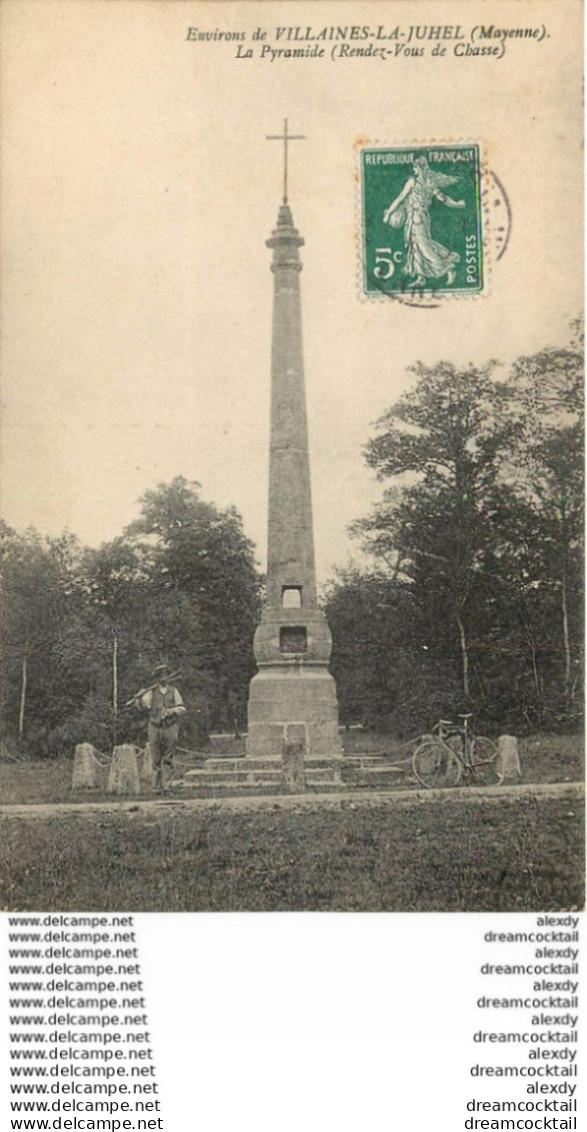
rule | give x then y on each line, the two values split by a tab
451	751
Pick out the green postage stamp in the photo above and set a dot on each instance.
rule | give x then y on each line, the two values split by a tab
421	220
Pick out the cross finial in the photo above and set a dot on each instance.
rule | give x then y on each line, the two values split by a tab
285	137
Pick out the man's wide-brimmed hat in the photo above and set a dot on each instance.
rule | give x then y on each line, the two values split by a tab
160	670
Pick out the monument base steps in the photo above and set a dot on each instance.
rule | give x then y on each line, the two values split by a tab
233	775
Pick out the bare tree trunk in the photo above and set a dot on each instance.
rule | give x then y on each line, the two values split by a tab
23	685
564	596
566	638
537	682
534	667
464	655
115	676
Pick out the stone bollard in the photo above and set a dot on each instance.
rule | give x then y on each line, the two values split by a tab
508	758
85	768
124	771
292	758
146	772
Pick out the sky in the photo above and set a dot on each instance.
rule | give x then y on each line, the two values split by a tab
137	194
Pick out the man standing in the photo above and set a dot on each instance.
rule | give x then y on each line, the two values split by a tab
164	705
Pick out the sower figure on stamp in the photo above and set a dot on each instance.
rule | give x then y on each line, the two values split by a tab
425	257
165	706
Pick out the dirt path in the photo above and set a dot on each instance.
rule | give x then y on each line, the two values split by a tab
348	799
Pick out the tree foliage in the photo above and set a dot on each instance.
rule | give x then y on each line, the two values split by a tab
478	540
180	585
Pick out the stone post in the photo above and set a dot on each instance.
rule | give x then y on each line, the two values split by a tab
292	757
124	771
85	767
508	758
146	772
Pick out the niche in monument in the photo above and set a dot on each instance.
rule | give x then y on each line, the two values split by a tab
293	638
291	597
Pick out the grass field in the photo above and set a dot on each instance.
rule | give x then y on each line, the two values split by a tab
519	854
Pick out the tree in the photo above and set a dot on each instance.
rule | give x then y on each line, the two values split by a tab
480	532
116	586
387	674
549	472
201	566
82	629
35	591
446	438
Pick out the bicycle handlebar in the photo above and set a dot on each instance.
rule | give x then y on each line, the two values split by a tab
449	725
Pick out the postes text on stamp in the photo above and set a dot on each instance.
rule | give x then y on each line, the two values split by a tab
421	220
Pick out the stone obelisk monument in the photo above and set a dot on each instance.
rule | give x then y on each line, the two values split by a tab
293	695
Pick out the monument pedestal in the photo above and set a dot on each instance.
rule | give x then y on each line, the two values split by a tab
293	696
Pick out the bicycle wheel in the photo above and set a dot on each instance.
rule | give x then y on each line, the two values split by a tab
485	766
435	765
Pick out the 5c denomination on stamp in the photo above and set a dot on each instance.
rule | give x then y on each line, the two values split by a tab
421	220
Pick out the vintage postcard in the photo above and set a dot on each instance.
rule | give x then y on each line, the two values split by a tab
291	469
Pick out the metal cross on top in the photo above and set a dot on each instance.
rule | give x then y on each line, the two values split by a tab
285	138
